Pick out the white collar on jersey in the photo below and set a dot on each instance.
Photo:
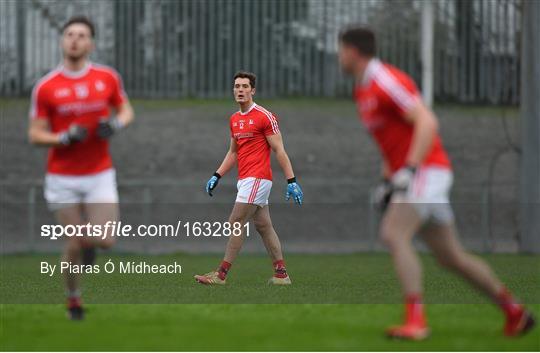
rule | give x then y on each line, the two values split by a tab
75	74
250	109
372	66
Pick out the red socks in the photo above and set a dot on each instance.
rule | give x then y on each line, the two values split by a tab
279	269
507	303
414	310
74	302
223	268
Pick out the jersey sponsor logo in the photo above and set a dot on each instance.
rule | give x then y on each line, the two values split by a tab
243	135
62	92
81	90
79	108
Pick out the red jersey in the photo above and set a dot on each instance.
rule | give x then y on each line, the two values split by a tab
65	97
383	97
249	130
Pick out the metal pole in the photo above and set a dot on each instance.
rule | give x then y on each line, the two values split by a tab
487	244
32	240
426	51
21	53
373	218
530	124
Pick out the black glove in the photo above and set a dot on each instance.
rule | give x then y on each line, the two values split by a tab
382	195
108	127
75	133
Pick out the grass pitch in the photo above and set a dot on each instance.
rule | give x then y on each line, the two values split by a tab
359	290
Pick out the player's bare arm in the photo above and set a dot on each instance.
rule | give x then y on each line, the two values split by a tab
276	143
230	159
39	134
228	163
425	128
293	189
125	114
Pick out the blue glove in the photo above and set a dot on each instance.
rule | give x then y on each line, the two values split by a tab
294	190
212	183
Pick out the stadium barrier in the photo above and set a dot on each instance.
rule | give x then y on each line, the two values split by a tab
191	48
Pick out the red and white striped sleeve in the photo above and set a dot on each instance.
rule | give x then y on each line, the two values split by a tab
270	122
119	95
400	89
38	102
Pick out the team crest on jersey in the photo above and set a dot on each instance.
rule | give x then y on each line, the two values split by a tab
62	92
81	91
100	86
251	122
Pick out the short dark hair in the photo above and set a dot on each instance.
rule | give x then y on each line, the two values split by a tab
361	38
247	74
82	20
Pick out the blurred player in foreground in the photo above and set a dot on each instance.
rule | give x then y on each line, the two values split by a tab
254	134
417	179
70	113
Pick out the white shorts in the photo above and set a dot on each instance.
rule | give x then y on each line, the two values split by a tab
253	190
64	190
429	193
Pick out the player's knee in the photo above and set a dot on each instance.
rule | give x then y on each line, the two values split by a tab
451	261
389	236
262	227
235	219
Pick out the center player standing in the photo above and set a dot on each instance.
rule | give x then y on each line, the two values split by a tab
418	178
70	114
254	134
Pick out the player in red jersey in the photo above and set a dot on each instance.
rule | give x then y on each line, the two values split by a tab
254	134
71	114
417	179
